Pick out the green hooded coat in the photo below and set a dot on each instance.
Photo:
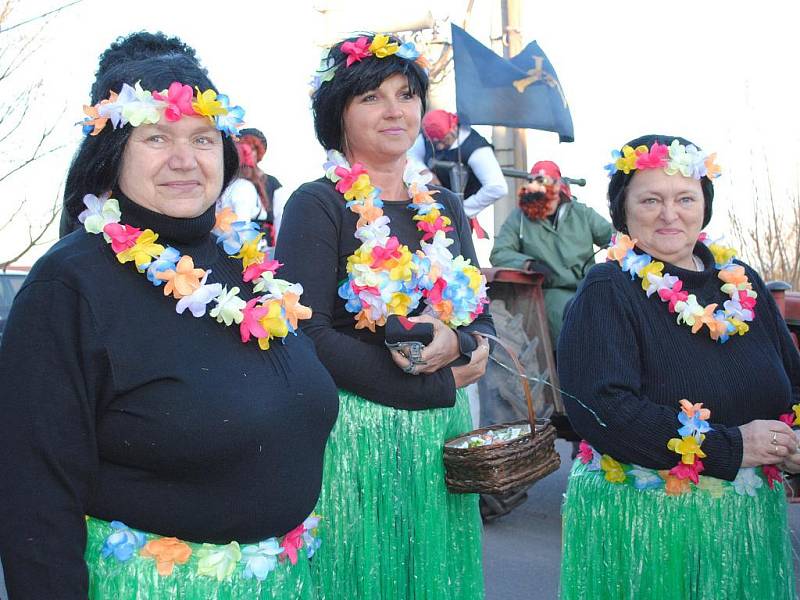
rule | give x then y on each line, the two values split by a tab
565	250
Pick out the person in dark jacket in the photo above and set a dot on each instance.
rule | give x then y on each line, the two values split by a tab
682	378
158	447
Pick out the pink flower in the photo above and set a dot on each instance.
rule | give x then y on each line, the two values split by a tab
381	255
179	101
430	229
251	324
773	475
787	418
255	270
122	236
684	471
654	159
356	50
293	541
747	302
348	177
434	295
585	452
673	295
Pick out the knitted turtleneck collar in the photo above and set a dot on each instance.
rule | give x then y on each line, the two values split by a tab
169	229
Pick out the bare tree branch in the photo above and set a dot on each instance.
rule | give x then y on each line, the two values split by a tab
36	18
36	235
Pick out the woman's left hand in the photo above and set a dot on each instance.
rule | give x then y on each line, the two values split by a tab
439	353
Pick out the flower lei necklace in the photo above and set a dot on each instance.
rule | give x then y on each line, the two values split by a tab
722	324
384	277
272	315
693	420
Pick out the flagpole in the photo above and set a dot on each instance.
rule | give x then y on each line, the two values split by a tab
510	144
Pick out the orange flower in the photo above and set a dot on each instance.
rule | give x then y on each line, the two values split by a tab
167	552
367	212
622	244
294	310
422	197
224	219
95	119
184	280
713	170
691	409
734	275
363	320
674	486
707	318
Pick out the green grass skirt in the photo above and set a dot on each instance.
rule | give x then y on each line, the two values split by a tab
391	528
137	578
709	544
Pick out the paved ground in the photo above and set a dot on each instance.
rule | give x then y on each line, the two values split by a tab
522	550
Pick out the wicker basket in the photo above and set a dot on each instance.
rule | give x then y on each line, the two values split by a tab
503	466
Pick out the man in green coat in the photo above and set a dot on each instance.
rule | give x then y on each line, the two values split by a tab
552	234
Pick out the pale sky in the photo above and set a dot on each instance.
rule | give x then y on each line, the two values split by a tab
722	74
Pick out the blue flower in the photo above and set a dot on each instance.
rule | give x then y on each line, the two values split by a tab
612	166
166	261
230	122
633	263
424	209
240	233
692	425
408	51
123	543
260	560
645	479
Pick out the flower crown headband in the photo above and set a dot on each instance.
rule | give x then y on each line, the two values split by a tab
141	107
378	46
689	161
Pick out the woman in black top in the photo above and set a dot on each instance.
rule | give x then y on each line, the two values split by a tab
155	448
396	531
683	380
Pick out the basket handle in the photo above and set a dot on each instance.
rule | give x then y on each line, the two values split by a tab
525	385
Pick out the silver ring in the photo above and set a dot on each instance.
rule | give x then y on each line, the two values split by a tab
774	438
411	368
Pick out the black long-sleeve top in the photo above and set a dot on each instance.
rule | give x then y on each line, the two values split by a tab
628	363
316	237
115	406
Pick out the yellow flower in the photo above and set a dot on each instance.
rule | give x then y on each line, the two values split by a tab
206	104
796	409
613	470
249	252
381	47
627	162
722	254
143	252
398	305
400	268
712	486
656	268
474	276
274	323
687	447
741	326
361	188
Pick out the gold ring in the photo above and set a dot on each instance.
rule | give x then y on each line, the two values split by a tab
774	438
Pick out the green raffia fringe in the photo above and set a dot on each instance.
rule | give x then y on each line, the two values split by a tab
620	543
137	579
391	528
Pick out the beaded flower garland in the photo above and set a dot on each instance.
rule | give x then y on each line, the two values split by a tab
722	324
137	106
384	277
675	158
274	314
378	46
218	562
693	420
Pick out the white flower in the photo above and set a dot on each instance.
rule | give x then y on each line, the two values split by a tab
229	307
747	482
688	310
